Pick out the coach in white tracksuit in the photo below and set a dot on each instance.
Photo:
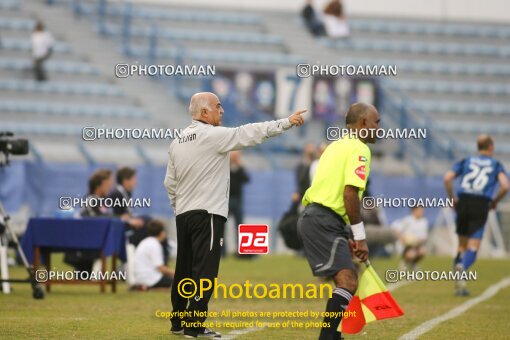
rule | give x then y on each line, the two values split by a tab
197	181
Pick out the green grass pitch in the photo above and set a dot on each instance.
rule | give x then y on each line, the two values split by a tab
81	312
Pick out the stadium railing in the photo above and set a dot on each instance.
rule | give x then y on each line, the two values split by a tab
405	114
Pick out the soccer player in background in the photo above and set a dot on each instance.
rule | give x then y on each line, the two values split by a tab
478	176
332	203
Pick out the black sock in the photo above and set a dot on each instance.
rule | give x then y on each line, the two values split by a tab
337	303
458	259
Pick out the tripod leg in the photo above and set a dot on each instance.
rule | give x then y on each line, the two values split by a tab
37	291
4	268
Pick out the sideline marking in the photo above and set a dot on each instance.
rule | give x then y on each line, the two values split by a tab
453	313
238	332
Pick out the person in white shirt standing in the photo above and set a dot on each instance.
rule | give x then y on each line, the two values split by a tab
412	233
42	47
149	266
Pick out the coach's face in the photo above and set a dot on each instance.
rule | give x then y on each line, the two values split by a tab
213	115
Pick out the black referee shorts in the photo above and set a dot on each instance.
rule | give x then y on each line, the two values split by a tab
325	240
199	243
472	213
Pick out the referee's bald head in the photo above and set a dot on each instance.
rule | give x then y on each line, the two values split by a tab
363	116
357	112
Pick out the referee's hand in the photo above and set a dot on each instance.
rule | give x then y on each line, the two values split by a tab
360	249
296	119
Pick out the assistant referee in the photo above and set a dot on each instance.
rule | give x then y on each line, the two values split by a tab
332	204
197	181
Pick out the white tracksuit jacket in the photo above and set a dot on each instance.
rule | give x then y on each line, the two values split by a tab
198	171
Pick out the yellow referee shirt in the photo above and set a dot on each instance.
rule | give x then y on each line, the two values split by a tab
344	162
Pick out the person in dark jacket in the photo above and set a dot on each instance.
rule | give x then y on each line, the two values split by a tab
136	228
238	178
312	21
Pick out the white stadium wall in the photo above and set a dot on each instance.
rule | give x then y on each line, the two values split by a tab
451	10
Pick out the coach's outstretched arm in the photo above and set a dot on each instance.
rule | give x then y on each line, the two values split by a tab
229	139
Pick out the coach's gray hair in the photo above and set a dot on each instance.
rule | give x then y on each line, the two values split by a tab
198	102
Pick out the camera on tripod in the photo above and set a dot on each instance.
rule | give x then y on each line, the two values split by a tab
11	146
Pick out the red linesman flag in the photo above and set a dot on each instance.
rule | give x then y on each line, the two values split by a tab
371	302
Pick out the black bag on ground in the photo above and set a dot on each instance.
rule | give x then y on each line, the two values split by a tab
288	229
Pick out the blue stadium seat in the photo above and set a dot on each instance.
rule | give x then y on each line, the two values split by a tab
17	24
492	109
359	44
43	129
25	45
472	127
430	28
470	148
436	66
199	35
52	66
211	56
417	85
71	109
176	15
59	87
10	4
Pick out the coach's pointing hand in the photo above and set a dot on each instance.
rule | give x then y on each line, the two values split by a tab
296	118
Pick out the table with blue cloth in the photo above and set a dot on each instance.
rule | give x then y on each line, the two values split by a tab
56	235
